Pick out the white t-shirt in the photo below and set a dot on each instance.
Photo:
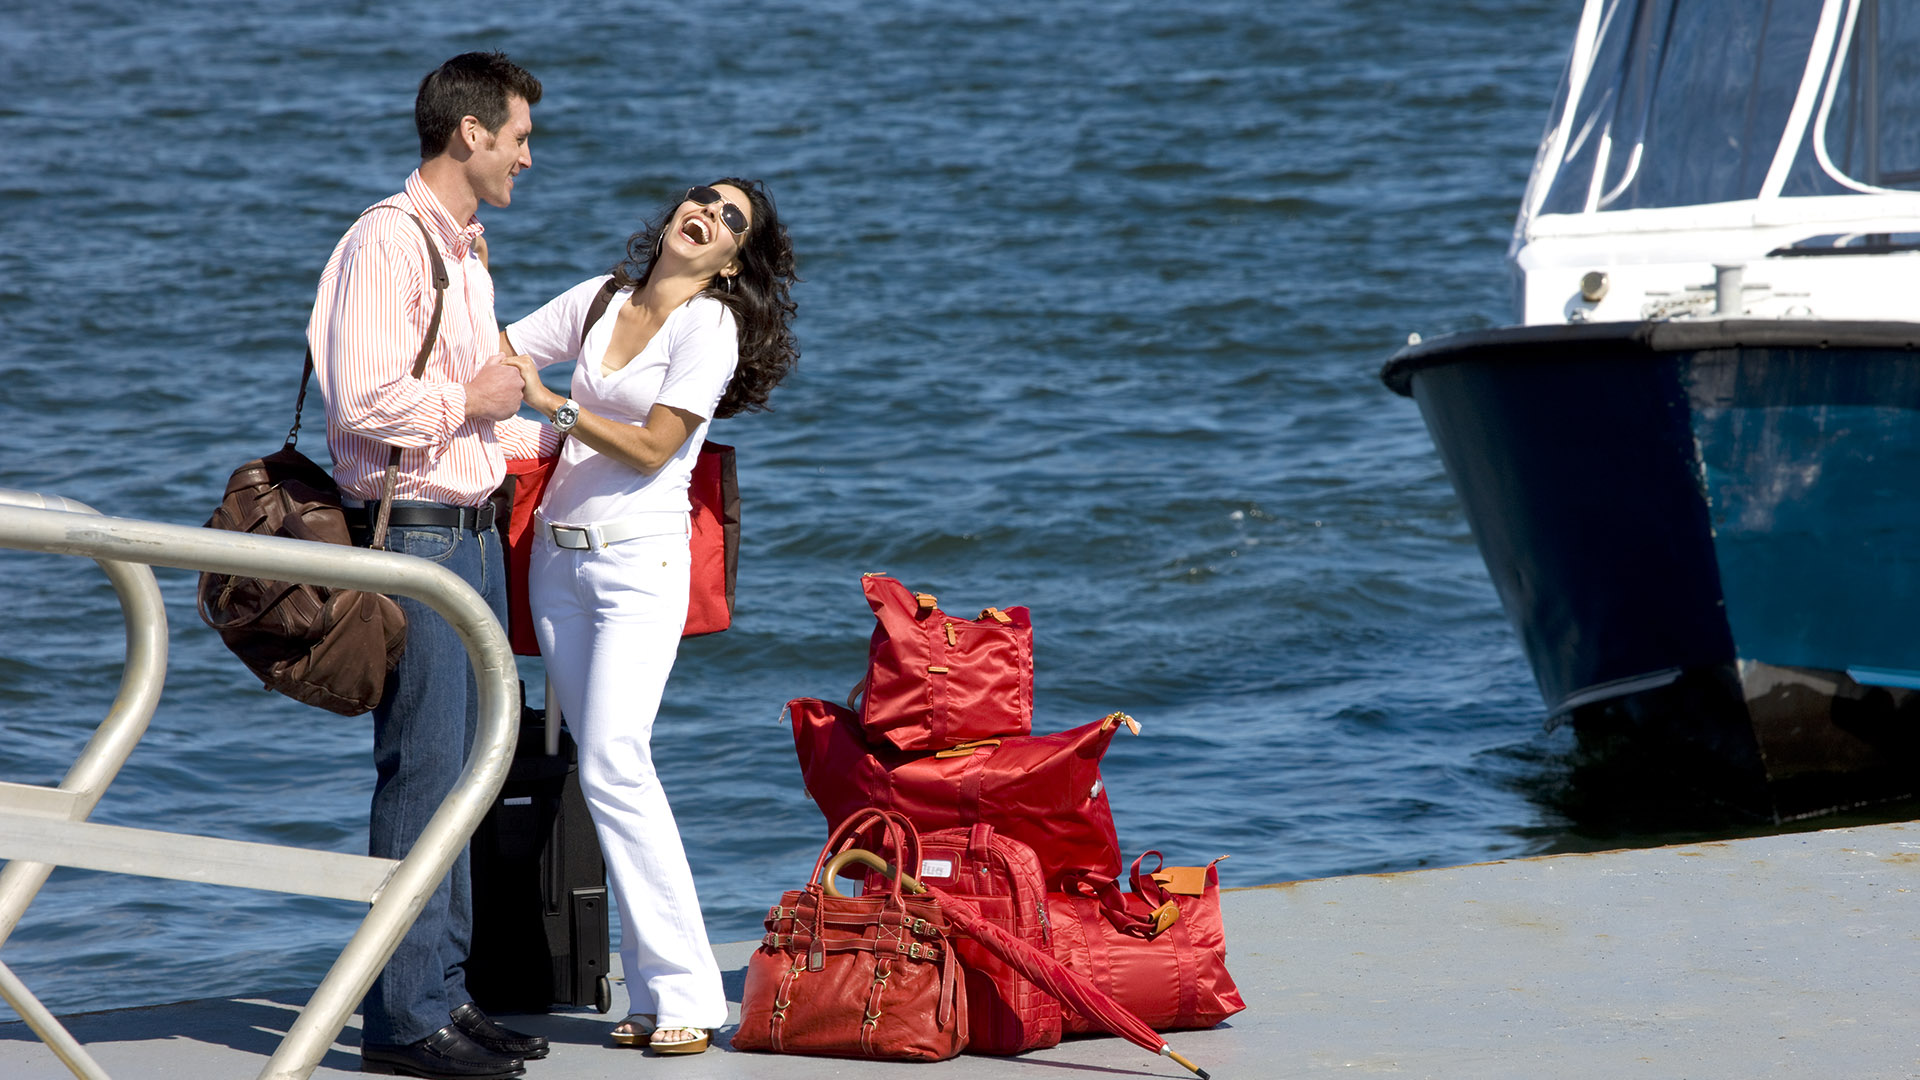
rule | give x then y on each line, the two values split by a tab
687	365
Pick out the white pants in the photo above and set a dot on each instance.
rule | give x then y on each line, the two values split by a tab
609	625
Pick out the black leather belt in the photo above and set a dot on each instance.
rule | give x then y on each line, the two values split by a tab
471	518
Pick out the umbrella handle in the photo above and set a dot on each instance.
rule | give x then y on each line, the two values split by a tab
865	858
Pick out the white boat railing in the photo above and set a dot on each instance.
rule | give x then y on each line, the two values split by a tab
42	827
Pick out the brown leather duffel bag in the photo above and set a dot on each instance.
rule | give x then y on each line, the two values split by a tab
327	647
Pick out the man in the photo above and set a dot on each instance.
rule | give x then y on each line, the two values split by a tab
455	426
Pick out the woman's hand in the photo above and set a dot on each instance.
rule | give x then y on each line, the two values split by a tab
532	390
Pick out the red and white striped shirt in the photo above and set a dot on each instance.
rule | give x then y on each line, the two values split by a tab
370	315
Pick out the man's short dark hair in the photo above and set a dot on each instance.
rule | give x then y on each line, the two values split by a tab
475	84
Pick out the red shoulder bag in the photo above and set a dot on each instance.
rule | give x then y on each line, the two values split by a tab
934	680
1160	950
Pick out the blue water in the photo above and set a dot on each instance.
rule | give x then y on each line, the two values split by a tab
1095	299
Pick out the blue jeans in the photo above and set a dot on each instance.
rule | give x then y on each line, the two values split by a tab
422	732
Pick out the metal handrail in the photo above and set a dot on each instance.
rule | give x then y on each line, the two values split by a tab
39	825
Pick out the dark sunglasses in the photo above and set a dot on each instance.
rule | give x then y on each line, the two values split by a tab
730	214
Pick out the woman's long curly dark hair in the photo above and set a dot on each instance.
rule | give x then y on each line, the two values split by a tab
759	296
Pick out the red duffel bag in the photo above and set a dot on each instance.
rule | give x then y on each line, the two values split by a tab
935	680
1160	950
1043	790
870	976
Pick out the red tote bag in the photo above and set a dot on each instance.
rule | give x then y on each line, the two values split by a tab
1043	790
1160	950
935	680
525	486
714	493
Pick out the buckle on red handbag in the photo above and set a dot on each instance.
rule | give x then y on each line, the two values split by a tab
1165	916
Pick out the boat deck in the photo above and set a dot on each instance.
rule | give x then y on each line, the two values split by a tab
1782	956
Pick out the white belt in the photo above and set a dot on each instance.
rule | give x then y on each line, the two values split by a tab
595	537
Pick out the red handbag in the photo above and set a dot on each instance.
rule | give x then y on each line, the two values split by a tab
713	492
525	486
935	681
1006	1014
1160	950
870	976
1043	790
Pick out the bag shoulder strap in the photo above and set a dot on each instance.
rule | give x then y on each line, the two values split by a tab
440	283
598	308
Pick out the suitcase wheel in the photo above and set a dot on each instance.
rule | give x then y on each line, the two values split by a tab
603	996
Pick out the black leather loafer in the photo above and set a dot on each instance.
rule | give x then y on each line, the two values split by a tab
446	1054
480	1027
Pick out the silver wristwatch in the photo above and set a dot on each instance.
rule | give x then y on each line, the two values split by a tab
566	416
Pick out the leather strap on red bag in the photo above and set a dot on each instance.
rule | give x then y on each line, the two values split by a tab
1165	911
1111	902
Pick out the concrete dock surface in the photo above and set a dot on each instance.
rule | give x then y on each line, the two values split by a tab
1778	956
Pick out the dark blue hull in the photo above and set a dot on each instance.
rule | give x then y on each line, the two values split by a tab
1708	537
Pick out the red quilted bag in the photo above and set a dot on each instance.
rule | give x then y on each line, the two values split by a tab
1006	1014
1043	790
934	680
871	976
1160	950
714	494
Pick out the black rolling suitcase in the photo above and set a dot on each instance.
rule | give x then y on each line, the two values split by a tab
540	934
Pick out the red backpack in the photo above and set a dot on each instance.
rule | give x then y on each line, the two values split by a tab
1006	1014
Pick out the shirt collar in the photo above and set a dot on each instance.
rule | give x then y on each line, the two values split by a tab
457	239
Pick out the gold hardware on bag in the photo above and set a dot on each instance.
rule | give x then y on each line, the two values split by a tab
965	748
1165	916
952	638
936	669
1120	718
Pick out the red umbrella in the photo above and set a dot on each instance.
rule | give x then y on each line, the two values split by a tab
1071	987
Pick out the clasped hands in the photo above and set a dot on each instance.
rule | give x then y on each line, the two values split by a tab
499	388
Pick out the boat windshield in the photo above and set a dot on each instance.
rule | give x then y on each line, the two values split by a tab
1686	102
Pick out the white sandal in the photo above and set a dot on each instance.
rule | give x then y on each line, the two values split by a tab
702	1038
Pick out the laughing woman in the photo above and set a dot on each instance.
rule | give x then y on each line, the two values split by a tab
699	327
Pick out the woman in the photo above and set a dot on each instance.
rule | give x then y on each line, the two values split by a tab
700	327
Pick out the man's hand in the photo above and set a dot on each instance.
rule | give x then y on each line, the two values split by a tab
494	394
534	392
